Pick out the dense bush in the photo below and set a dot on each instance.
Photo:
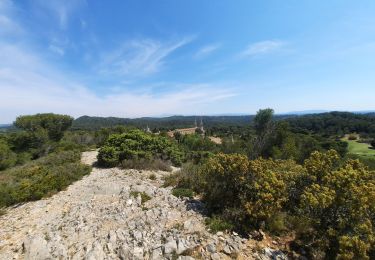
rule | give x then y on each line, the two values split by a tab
7	157
247	192
136	144
35	143
327	203
55	125
189	177
40	178
339	204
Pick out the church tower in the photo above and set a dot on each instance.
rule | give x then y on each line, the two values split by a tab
201	126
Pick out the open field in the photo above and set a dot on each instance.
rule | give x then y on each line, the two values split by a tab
360	149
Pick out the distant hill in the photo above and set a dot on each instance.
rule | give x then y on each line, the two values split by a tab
330	123
334	123
5	127
165	123
172	122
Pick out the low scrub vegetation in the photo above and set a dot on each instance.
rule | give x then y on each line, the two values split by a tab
328	203
40	178
300	177
143	195
216	224
183	193
137	145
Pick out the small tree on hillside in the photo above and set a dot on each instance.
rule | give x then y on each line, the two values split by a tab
264	127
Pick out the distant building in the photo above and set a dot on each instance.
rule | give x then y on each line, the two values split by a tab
188	131
201	128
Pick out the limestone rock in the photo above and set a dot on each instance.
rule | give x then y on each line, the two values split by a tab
36	248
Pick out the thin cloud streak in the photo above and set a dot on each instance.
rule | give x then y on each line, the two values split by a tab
139	57
263	47
206	50
8	26
30	85
60	9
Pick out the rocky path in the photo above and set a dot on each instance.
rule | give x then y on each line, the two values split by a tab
103	216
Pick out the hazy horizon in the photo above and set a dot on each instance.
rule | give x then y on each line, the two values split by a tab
139	58
303	112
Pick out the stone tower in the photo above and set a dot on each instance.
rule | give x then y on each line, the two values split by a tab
201	126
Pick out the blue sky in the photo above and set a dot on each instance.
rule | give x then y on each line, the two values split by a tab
152	58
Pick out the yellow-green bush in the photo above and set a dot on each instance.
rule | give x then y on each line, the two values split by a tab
249	192
7	157
40	178
327	202
340	204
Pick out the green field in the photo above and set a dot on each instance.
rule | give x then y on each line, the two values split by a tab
360	149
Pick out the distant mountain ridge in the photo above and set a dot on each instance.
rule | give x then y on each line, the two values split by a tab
175	122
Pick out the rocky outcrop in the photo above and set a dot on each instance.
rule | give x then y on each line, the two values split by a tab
103	217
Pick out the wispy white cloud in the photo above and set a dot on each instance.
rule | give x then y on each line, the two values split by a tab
206	50
59	45
61	9
139	57
263	47
30	85
56	49
7	24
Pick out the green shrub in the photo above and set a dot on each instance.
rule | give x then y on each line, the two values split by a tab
40	178
183	193
216	224
339	204
188	177
250	191
108	156
144	196
171	180
152	176
328	203
277	223
23	157
135	145
7	157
